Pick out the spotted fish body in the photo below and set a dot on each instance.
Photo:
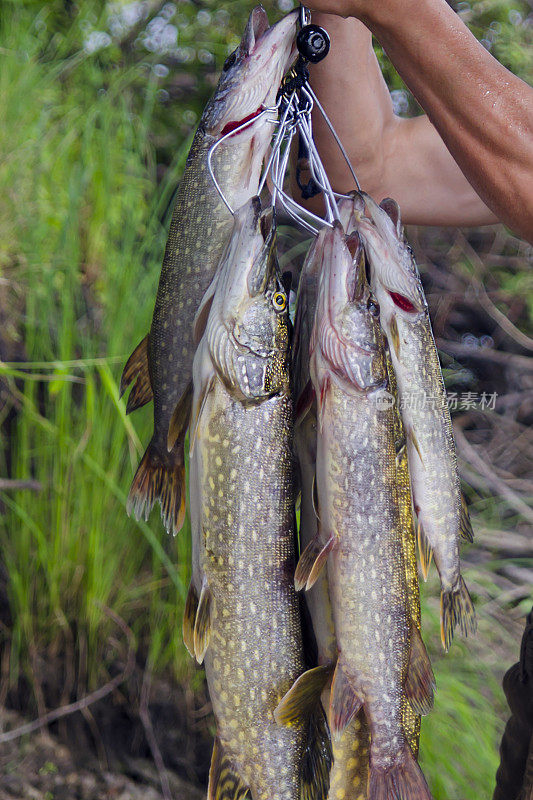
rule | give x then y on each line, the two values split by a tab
199	230
244	523
436	491
381	655
349	773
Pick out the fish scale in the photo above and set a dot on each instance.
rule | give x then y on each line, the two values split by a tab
161	365
349	774
381	657
255	651
242	613
441	513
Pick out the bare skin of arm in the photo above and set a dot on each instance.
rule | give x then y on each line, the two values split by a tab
470	161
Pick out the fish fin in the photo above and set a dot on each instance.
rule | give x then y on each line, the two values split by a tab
197	408
392	208
160	476
317	758
344	702
224	781
200	318
202	623
179	422
456	608
322	401
137	368
414	441
312	560
304	402
395	336
314	497
424	549
420	681
303	696
189	617
403	781
465	526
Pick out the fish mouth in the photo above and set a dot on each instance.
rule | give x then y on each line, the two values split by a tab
386	252
266	53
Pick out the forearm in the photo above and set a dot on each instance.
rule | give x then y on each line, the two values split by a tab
404	159
483	113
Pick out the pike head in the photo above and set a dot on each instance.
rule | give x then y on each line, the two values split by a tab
247	330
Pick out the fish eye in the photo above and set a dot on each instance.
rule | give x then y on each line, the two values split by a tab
229	62
279	301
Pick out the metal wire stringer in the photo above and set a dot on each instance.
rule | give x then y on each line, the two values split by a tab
292	115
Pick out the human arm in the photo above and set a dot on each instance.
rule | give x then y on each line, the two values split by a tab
489	136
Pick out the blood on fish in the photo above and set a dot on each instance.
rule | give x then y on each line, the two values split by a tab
231	126
402	302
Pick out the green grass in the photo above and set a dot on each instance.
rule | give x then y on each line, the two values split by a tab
81	243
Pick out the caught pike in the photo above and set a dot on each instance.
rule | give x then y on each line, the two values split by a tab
439	506
349	773
242	613
381	655
161	365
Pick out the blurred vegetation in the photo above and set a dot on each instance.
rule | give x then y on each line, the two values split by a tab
99	102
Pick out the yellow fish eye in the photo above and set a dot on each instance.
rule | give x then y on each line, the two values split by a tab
279	301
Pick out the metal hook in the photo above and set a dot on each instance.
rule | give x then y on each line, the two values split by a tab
217	144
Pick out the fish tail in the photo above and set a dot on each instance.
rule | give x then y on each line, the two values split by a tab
317	758
160	476
225	783
137	369
465	526
403	781
456	608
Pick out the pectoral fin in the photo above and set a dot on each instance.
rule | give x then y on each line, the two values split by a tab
179	422
420	681
344	702
189	618
312	561
137	368
465	526
197	408
322	401
200	319
424	549
303	696
202	623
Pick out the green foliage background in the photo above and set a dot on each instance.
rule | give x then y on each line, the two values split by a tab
96	125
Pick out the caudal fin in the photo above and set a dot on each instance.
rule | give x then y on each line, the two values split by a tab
403	781
160	476
456	608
